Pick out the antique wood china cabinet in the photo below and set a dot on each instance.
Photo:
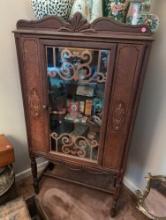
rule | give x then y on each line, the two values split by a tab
81	85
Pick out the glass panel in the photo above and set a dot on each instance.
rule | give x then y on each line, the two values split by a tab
76	79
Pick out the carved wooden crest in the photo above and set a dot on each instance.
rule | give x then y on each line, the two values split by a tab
34	103
77	24
80	24
118	116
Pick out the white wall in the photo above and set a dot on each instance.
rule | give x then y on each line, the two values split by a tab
148	146
11	110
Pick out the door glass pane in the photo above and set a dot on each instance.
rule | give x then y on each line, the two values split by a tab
76	82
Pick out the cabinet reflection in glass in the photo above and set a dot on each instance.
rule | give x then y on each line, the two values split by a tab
76	79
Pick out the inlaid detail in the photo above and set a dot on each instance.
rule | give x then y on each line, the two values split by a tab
118	117
34	103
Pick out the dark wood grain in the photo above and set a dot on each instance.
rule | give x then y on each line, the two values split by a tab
128	66
35	174
33	95
130	49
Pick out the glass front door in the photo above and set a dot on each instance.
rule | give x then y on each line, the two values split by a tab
76	82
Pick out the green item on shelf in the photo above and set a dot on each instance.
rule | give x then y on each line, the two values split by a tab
151	20
146	6
117	9
79	130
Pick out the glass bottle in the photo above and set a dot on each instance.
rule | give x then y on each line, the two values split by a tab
134	12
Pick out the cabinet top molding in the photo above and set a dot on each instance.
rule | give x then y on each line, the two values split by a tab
78	24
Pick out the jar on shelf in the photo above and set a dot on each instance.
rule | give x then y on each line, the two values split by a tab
134	12
116	9
96	9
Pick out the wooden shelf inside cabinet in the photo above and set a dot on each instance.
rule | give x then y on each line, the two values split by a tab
81	92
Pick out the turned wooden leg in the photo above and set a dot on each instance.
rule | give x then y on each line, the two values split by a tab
116	197
34	174
51	166
114	208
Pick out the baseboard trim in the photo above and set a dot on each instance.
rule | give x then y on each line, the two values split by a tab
130	185
26	173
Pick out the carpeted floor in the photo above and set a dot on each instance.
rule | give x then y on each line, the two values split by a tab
66	201
14	210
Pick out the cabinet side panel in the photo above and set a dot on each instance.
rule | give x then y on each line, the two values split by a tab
127	72
32	86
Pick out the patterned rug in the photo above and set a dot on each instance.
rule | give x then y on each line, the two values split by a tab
64	201
14	210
